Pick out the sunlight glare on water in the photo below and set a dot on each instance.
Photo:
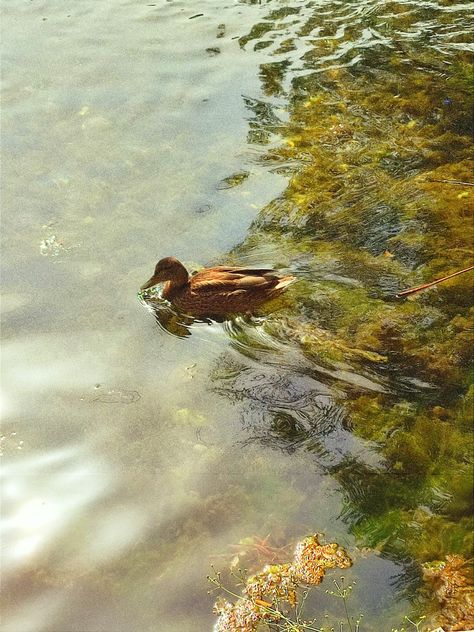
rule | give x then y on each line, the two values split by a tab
63	486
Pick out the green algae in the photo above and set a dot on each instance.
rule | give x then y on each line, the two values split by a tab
376	152
234	180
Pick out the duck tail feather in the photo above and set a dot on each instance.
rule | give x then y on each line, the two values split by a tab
284	282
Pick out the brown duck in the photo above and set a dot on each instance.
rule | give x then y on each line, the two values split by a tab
216	291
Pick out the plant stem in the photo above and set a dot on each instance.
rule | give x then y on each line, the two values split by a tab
347	614
427	285
460	182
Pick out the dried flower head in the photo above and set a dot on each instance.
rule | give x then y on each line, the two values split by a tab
313	559
275	583
243	616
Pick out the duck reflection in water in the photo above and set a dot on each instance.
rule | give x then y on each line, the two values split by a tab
212	293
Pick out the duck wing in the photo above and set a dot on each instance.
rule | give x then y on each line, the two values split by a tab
238	270
228	279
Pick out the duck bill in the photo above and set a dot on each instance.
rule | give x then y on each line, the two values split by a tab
150	283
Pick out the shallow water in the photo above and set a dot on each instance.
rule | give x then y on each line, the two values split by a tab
133	459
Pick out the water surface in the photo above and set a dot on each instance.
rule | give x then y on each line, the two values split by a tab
293	134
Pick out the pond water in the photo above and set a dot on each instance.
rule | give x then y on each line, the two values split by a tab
322	137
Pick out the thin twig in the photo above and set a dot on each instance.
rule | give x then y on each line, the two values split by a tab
460	182
427	285
300	608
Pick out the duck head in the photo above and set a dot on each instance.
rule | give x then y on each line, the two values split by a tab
168	269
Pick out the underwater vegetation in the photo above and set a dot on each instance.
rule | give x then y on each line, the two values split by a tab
452	582
273	596
380	196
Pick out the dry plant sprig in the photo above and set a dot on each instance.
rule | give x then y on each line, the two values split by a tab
418	288
271	595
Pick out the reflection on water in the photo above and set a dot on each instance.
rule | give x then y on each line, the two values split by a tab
35	522
133	458
287	408
171	320
168	319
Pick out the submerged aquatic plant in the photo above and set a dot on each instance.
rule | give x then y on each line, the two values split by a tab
377	146
277	594
452	581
